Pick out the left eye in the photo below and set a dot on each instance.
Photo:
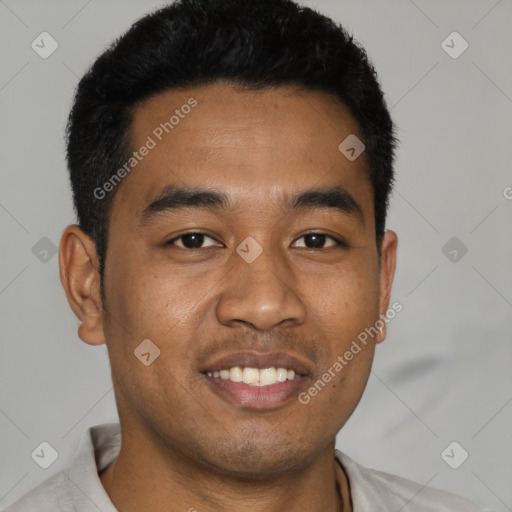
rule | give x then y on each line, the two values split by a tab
192	241
317	241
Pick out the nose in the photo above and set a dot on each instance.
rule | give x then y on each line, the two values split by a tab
261	293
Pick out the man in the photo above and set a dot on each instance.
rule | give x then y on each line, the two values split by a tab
231	164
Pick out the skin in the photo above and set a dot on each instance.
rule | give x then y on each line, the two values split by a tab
183	446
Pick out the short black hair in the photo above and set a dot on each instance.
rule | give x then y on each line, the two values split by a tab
256	44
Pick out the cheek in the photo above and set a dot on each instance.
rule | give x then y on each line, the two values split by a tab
145	297
153	302
345	300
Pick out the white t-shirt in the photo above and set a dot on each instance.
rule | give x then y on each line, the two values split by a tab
78	488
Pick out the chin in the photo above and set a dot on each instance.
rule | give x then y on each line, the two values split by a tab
256	459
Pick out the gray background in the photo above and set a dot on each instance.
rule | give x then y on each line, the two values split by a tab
443	374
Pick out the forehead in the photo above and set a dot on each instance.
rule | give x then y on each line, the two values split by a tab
255	145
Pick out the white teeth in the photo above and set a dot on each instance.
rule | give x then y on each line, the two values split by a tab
282	374
268	376
251	376
235	374
254	376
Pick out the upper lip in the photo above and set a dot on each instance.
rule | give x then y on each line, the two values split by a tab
252	359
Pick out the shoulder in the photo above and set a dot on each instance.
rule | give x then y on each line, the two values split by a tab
371	490
44	497
77	487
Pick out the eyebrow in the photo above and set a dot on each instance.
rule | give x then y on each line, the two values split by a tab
174	198
336	198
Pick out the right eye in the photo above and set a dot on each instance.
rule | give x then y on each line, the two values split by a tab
193	240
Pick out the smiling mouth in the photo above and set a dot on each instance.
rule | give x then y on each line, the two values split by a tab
256	395
257	380
254	376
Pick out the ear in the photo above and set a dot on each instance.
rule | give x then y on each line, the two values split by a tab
79	275
387	273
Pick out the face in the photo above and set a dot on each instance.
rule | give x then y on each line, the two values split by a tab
243	238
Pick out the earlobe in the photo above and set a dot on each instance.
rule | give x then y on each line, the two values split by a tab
387	274
78	264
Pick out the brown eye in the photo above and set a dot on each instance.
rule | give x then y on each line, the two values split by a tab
317	241
191	241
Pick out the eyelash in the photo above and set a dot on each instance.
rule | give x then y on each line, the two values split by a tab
338	242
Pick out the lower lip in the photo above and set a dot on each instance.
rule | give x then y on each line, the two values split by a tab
256	397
